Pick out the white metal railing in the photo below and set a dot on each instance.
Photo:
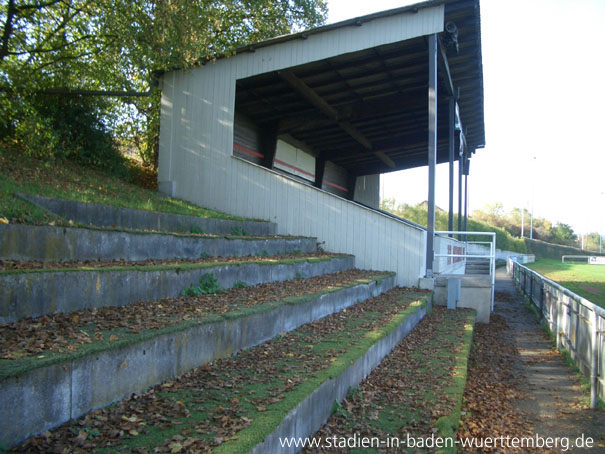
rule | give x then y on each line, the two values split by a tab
577	324
490	247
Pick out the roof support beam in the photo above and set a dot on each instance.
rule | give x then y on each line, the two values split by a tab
445	70
432	153
351	182
320	168
312	97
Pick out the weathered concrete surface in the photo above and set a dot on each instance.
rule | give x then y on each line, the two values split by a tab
47	243
475	293
33	294
308	416
110	216
48	396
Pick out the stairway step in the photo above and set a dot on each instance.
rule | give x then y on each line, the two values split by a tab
96	372
33	293
416	391
109	216
48	243
244	403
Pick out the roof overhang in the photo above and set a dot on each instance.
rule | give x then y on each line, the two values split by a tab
367	110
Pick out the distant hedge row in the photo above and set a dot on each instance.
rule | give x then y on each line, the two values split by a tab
504	240
544	250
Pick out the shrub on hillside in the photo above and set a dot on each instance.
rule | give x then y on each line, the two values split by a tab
61	127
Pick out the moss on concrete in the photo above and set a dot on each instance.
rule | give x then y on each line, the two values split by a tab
266	422
448	425
170	267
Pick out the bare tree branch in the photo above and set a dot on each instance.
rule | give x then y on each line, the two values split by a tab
8	28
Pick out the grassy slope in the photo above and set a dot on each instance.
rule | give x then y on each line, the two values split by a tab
585	280
67	180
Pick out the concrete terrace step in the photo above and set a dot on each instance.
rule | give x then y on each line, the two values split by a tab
283	388
416	391
110	216
48	243
33	293
45	390
475	265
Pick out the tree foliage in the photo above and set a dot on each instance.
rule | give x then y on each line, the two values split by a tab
120	45
418	214
507	225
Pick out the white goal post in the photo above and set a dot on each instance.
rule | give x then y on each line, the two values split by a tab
591	260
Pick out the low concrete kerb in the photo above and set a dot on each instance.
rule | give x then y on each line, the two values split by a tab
49	243
106	215
33	294
309	415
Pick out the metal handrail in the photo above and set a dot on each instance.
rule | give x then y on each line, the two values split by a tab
491	256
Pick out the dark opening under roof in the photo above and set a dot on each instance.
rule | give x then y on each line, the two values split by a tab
367	111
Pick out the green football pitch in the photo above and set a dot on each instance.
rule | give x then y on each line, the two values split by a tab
585	280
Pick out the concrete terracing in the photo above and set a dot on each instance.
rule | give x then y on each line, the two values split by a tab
44	397
47	243
108	216
33	293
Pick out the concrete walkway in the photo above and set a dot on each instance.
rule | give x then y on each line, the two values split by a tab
554	398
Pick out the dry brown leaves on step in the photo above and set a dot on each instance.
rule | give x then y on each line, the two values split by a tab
29	265
208	406
491	389
65	332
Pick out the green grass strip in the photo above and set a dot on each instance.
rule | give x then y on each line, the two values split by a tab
181	234
587	281
448	425
269	420
170	267
19	367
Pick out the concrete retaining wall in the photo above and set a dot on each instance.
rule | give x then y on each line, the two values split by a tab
108	216
46	243
475	293
49	396
308	416
34	294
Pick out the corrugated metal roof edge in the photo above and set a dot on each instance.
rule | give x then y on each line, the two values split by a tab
356	21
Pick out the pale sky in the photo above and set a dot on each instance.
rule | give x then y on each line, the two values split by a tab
543	68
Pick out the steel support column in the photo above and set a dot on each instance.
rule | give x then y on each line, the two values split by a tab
268	144
460	192
465	202
452	120
320	167
432	153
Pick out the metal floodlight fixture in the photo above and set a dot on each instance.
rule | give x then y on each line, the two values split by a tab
452	36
